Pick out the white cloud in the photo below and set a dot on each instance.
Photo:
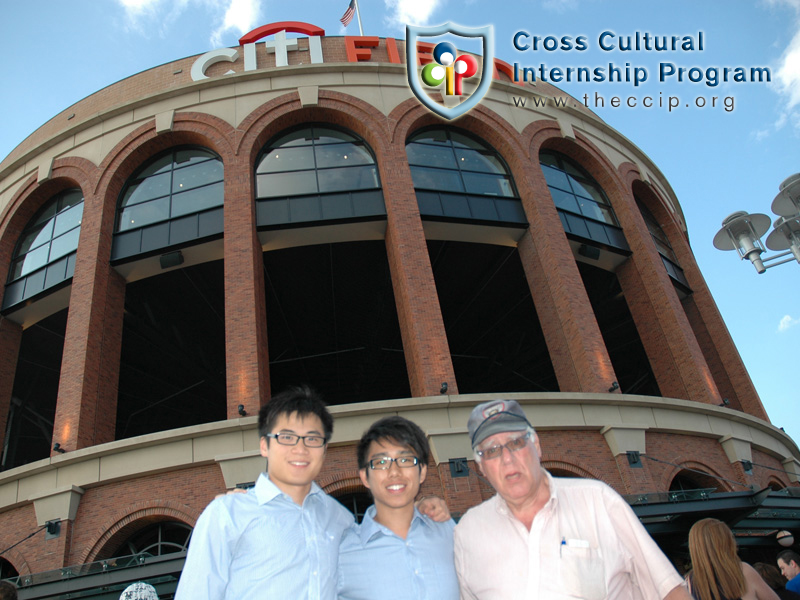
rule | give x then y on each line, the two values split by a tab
787	322
410	12
237	16
786	74
241	16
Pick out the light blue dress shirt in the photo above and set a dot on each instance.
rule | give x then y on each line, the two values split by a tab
262	545
376	564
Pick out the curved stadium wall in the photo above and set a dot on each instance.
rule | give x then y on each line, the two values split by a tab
175	250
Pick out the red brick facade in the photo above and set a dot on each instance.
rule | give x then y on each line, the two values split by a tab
691	353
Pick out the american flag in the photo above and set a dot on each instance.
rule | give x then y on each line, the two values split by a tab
348	14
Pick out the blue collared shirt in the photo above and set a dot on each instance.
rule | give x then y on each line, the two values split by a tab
376	564
262	545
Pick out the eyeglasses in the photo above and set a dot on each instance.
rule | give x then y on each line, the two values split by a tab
290	439
385	462
512	445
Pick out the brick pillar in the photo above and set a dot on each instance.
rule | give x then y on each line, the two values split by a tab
419	314
727	368
635	480
246	351
10	339
86	409
672	349
577	350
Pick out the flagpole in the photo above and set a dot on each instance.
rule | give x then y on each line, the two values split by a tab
358	15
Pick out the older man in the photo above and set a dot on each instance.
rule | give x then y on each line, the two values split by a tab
540	537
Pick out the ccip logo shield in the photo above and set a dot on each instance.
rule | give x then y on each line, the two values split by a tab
448	70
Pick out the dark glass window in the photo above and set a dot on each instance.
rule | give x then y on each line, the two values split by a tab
444	160
52	234
315	160
574	190
659	237
180	182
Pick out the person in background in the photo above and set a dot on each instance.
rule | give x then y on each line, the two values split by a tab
8	591
541	537
396	553
717	573
775	580
789	564
138	591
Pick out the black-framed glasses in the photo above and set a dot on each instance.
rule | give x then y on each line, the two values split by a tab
291	439
512	445
385	462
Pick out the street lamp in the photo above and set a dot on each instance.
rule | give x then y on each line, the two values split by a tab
742	231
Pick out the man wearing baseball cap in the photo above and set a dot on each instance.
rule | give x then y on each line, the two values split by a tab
541	537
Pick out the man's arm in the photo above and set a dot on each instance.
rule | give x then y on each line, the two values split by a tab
205	573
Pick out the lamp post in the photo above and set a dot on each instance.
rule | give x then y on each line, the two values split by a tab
742	231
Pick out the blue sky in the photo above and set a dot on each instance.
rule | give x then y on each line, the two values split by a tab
56	53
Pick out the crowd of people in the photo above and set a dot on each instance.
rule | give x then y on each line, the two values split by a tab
537	537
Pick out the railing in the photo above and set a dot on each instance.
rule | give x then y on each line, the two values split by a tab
672	496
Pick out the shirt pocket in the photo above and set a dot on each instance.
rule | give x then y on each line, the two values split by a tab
582	571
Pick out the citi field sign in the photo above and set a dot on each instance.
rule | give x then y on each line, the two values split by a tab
440	69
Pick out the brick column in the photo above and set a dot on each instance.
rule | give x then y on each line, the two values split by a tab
672	349
577	350
419	314
10	339
86	409
727	368
246	352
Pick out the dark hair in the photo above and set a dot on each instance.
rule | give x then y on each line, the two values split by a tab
770	574
300	400
399	430
788	556
8	591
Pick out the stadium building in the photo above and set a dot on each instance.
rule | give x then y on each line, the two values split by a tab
182	243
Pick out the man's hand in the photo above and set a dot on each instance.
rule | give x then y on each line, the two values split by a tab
433	507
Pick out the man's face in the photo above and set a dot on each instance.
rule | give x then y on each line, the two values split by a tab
393	487
789	570
293	468
516	475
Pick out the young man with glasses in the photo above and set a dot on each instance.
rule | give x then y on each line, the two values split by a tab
396	553
541	537
281	538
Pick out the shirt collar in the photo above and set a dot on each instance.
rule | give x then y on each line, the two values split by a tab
266	491
371	528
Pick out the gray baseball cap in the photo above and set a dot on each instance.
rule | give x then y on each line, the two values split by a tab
495	416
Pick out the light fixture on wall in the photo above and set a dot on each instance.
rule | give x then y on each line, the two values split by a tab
171	259
742	231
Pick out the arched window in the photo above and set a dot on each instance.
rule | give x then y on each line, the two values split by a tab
158	539
174	198
582	205
459	177
317	173
45	254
